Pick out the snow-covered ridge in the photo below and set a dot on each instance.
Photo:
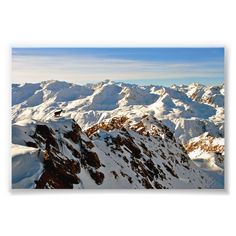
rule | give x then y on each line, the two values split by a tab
89	104
58	154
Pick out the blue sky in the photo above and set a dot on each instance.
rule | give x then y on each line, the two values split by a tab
164	66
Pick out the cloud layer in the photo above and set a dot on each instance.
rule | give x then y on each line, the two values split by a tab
77	69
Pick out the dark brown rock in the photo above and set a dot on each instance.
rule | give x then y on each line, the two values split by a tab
97	176
171	171
146	184
31	144
45	132
88	144
115	174
91	158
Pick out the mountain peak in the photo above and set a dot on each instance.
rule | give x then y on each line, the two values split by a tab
108	81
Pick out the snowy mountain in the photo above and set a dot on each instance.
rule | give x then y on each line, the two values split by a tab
117	135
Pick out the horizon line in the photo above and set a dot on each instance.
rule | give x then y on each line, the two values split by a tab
122	81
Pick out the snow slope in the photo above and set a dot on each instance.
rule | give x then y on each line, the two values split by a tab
27	166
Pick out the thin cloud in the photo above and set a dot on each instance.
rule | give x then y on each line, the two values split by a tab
30	68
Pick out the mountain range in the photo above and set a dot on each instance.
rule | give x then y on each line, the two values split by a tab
117	135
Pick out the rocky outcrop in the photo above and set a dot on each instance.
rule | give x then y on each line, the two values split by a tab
206	143
114	123
74	134
60	170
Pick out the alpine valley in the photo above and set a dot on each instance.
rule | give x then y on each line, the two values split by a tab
117	135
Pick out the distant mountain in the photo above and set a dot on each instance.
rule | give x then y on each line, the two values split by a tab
117	135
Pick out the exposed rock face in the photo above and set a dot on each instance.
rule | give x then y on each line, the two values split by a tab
61	171
114	123
74	135
31	144
97	176
91	159
205	142
115	155
44	133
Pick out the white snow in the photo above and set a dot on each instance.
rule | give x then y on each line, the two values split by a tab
27	166
207	161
